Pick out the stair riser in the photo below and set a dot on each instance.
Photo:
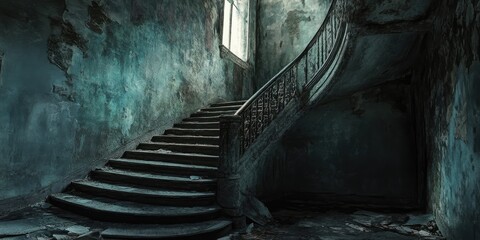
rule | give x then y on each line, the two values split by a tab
195	160
138	181
202	119
191	132
189	140
183	149
144	198
222	108
162	170
197	126
227	103
212	114
217	234
131	218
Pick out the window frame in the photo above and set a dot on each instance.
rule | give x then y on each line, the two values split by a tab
225	51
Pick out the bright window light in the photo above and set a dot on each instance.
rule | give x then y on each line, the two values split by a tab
235	27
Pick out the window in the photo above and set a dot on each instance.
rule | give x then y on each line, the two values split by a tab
235	27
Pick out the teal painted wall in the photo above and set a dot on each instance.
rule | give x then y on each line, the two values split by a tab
284	30
80	79
448	93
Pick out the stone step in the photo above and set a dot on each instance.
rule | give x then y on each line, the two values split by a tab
192	182
202	119
105	209
211	114
213	229
175	157
229	103
179	147
144	195
163	167
207	140
198	125
221	108
192	132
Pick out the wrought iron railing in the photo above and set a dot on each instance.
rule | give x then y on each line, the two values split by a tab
297	77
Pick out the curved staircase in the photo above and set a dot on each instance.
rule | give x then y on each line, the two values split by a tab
173	186
164	189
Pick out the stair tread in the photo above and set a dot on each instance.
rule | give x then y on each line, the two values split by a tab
133	208
213	113
195	129
143	191
190	136
192	131
166	164
222	108
182	144
165	231
237	102
173	153
210	125
202	119
153	176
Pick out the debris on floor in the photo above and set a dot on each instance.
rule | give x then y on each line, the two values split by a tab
51	224
336	225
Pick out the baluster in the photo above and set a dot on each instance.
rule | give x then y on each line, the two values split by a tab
295	81
283	91
242	131
318	52
334	25
324	51
331	35
265	108
291	81
255	121
306	69
260	113
272	104
250	129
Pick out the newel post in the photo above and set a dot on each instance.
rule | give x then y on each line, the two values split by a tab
229	196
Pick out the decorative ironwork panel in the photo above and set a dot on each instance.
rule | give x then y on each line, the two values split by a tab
265	105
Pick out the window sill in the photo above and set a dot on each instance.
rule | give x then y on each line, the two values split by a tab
226	53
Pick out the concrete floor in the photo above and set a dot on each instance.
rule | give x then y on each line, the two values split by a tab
336	225
43	222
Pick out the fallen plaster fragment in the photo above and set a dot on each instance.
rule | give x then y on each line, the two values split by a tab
195	177
356	227
19	227
419	219
256	211
77	230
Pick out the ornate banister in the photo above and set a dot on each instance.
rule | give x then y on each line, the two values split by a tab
239	131
293	80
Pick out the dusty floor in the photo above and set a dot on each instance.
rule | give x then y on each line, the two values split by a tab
43	222
337	225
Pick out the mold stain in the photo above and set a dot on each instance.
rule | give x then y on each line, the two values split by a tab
98	18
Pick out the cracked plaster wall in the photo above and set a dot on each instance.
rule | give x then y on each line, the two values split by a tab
80	79
284	30
448	92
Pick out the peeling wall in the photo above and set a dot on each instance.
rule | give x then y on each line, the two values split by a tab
284	30
448	93
81	79
356	149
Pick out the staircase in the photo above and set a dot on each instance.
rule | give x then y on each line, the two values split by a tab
179	185
164	189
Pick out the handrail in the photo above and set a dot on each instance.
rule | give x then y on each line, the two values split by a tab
260	109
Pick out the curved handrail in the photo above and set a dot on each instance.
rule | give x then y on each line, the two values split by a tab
260	109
